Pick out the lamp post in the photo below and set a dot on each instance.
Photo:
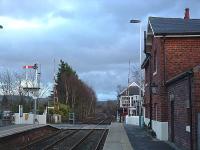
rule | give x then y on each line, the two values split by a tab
140	92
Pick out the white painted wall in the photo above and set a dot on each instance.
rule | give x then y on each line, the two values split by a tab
161	129
42	119
57	118
27	118
133	120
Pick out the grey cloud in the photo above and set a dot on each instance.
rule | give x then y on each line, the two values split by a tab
26	9
95	36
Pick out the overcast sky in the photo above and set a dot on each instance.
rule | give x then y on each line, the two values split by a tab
93	36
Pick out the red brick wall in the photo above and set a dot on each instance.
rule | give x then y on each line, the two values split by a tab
180	90
182	54
177	51
20	139
195	104
159	99
175	55
146	95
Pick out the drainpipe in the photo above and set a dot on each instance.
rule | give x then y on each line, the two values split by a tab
150	93
165	59
190	104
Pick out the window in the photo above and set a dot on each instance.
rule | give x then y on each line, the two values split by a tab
155	62
132	103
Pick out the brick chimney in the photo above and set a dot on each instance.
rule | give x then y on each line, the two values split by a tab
187	14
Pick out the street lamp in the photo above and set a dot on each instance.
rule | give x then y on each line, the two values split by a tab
140	23
1	27
135	21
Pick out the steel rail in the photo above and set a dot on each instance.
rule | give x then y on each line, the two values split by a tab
61	139
40	140
100	139
81	141
85	137
72	133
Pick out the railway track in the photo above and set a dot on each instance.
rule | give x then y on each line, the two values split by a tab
97	119
41	143
92	141
81	139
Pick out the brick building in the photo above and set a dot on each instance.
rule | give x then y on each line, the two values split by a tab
172	85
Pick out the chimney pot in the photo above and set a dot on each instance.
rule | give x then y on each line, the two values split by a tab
187	14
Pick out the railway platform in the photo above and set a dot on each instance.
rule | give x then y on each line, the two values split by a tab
117	138
141	140
79	126
14	129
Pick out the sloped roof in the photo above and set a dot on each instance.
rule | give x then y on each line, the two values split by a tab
133	84
174	26
133	90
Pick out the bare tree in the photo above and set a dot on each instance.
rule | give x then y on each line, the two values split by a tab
18	83
44	90
10	85
119	89
7	83
135	75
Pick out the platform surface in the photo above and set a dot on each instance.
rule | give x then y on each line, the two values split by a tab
117	138
79	126
141	140
13	129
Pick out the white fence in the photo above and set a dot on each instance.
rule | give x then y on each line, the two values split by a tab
161	128
133	120
27	118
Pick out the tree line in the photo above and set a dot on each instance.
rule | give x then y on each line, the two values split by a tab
79	97
74	95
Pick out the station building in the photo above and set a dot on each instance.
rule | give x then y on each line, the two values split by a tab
172	80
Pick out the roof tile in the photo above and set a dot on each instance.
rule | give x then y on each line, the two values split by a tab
174	26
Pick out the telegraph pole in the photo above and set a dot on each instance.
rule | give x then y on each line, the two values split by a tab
55	94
